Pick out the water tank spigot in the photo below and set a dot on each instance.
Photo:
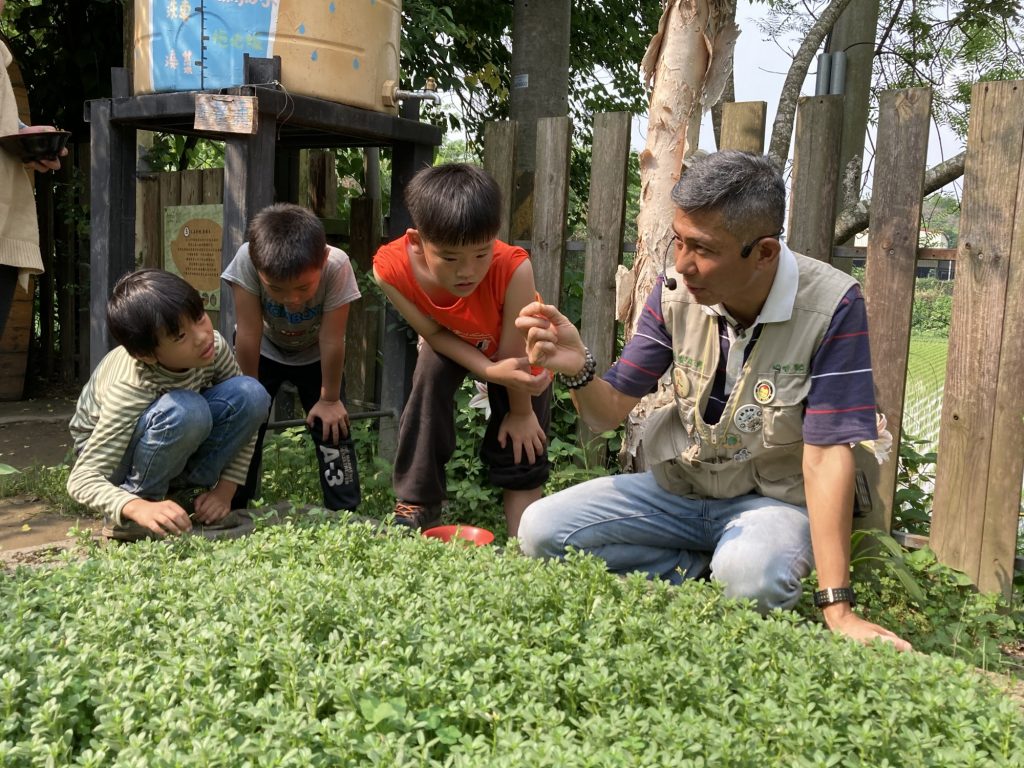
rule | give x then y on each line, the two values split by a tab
428	93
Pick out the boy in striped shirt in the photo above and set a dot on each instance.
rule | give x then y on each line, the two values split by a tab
164	414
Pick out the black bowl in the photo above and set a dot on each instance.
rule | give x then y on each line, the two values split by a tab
44	145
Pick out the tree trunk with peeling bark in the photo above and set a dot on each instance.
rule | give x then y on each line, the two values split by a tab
685	67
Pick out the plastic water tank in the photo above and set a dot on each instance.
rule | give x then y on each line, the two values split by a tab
341	50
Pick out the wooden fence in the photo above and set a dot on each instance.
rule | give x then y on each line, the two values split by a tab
981	458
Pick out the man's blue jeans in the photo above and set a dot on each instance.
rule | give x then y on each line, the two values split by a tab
185	439
759	548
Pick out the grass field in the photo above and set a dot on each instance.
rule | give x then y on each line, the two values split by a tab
926	374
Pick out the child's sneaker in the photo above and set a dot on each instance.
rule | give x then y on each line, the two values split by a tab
129	530
420	516
234	525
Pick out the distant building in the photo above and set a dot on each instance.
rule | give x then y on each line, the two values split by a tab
944	269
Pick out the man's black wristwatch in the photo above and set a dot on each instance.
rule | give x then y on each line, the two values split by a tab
826	597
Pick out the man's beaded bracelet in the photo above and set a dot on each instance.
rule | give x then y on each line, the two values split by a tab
585	376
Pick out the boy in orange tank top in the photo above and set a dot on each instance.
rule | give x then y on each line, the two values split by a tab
460	288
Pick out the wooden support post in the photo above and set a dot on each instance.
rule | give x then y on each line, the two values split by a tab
247	189
288	174
500	162
550	202
112	218
900	158
398	341
606	216
981	436
812	217
743	124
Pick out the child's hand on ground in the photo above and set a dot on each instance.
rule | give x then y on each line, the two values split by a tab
333	419
551	340
160	517
515	373
526	434
213	506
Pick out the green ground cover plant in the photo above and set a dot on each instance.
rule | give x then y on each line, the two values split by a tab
333	644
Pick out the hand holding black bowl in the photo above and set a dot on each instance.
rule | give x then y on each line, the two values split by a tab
40	146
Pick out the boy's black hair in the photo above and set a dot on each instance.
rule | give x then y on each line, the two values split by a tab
286	240
149	301
454	204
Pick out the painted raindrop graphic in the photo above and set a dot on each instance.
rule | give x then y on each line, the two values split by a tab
313	56
355	63
302	29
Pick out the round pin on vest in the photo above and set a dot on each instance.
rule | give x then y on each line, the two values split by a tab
748	418
764	391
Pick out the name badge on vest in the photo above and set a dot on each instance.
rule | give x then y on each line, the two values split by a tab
748	418
764	391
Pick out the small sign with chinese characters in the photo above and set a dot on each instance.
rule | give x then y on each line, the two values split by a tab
222	113
192	248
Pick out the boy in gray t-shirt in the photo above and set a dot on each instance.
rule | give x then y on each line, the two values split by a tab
291	293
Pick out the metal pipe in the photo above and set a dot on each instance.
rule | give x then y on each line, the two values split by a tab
821	83
837	80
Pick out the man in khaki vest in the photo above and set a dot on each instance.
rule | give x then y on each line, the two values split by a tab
769	375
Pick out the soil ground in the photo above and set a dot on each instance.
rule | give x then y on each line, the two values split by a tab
34	433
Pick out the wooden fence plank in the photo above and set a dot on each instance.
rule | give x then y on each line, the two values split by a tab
550	201
605	223
500	162
169	185
977	488
815	175
191	188
148	248
606	214
365	314
743	124
900	157
213	186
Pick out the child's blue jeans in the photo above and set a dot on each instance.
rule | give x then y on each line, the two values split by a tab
185	439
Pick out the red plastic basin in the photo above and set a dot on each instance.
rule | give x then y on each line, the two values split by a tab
479	536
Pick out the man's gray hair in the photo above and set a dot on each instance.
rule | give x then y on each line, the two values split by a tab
746	189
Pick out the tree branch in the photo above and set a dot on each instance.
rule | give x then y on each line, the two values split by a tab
855	218
785	116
